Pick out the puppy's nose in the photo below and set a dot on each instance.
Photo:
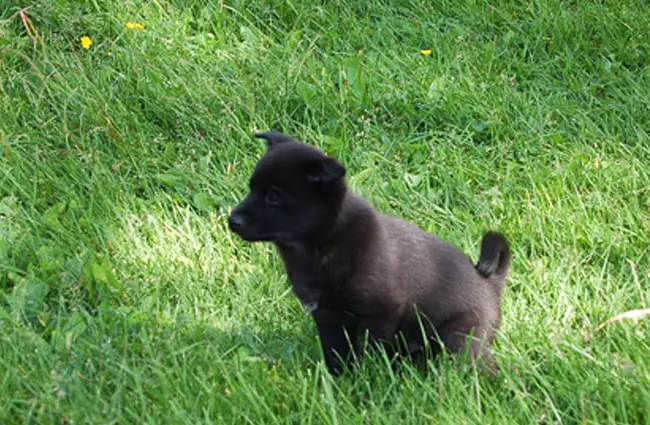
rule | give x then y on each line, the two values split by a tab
236	221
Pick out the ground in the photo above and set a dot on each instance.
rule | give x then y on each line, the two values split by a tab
125	139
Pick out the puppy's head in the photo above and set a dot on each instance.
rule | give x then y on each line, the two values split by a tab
295	193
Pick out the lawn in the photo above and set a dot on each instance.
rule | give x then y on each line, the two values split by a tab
124	298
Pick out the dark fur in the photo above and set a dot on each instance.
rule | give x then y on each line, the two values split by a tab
363	273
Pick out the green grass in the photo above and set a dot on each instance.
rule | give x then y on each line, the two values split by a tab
125	299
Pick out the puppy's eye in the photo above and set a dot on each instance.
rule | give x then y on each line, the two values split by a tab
273	196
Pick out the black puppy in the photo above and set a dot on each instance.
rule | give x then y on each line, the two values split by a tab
364	274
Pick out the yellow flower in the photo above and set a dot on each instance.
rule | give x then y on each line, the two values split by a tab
134	26
426	52
86	42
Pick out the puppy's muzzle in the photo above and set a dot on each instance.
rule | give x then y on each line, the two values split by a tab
236	221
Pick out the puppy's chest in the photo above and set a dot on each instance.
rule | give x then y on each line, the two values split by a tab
312	286
317	277
313	282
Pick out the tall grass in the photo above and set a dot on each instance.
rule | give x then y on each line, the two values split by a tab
125	299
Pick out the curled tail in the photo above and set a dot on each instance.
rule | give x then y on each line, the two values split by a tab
494	260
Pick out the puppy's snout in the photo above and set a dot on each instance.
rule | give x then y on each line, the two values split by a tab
236	221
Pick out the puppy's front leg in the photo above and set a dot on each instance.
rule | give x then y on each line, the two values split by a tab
335	339
376	332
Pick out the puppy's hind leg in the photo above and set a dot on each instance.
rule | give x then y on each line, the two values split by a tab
463	335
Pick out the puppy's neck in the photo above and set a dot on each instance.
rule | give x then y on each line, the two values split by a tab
355	223
351	230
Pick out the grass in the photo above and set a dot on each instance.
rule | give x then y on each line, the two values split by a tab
125	299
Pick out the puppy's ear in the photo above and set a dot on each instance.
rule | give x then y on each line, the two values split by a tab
273	138
325	170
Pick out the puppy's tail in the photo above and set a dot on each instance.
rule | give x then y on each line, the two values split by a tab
494	260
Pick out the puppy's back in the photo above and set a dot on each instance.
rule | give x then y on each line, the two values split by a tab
432	274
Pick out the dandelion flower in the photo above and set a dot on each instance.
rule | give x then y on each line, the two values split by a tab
134	26
426	52
86	42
